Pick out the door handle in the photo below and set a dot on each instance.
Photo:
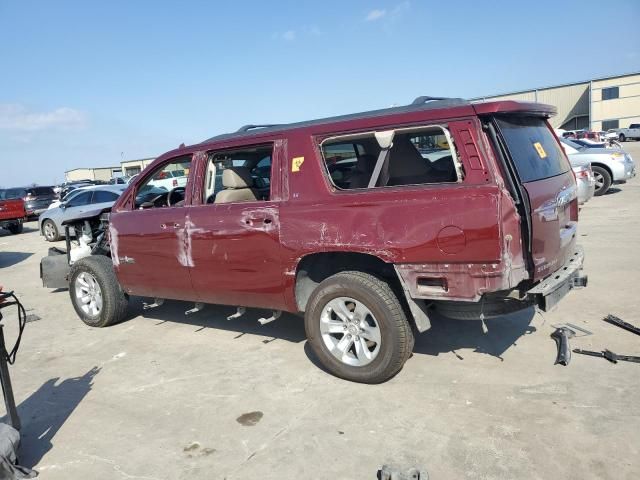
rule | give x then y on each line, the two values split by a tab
164	226
264	221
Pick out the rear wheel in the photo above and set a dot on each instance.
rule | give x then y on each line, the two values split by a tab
50	231
357	328
16	228
95	292
603	180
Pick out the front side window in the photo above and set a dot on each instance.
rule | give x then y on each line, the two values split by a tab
238	175
83	198
104	196
417	156
533	148
166	185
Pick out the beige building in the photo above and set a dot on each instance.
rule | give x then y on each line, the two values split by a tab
99	173
133	167
598	104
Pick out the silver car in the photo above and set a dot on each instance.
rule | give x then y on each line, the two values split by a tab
585	180
610	166
91	198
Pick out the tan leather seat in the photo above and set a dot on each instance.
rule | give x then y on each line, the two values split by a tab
237	183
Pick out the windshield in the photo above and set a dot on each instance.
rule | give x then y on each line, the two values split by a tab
533	148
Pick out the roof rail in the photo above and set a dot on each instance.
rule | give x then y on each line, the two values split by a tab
425	98
246	128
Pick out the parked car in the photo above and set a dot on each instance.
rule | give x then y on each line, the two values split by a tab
36	199
583	142
67	187
631	133
585	179
12	213
489	228
50	221
609	166
70	195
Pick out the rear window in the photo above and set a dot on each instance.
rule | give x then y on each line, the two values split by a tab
533	148
40	191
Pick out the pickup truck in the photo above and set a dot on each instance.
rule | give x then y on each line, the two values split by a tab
12	214
364	224
631	133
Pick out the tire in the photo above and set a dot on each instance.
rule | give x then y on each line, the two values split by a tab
50	231
622	138
603	180
95	275
492	308
16	228
383	329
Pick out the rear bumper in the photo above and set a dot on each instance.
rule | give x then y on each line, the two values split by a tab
548	293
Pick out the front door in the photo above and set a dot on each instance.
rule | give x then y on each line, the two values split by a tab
148	242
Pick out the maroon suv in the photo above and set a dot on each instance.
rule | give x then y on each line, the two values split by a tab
364	223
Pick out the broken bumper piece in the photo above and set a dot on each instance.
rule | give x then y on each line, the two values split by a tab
54	269
552	289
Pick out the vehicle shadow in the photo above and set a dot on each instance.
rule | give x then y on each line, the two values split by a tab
7	259
613	191
288	327
46	410
447	335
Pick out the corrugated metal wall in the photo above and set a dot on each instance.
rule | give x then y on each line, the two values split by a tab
571	101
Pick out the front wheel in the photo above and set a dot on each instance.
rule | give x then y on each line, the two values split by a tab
50	231
622	138
95	292
357	328
603	180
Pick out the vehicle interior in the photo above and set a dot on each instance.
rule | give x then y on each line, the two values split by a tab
416	157
166	185
240	175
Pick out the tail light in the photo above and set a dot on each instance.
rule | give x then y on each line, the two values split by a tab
175	182
582	172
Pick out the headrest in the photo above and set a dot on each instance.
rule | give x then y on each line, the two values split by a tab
237	177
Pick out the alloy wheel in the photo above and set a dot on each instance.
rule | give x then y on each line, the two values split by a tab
350	331
88	293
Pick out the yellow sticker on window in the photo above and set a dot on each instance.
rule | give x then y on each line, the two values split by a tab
540	150
296	163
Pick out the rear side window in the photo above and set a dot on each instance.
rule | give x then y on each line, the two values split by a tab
418	156
533	148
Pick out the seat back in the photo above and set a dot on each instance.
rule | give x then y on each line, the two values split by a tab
237	183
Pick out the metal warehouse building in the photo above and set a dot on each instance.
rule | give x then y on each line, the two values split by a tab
98	173
598	104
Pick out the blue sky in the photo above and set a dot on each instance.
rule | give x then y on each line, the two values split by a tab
86	83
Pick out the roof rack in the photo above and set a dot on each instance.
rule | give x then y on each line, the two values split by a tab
425	98
246	128
423	102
